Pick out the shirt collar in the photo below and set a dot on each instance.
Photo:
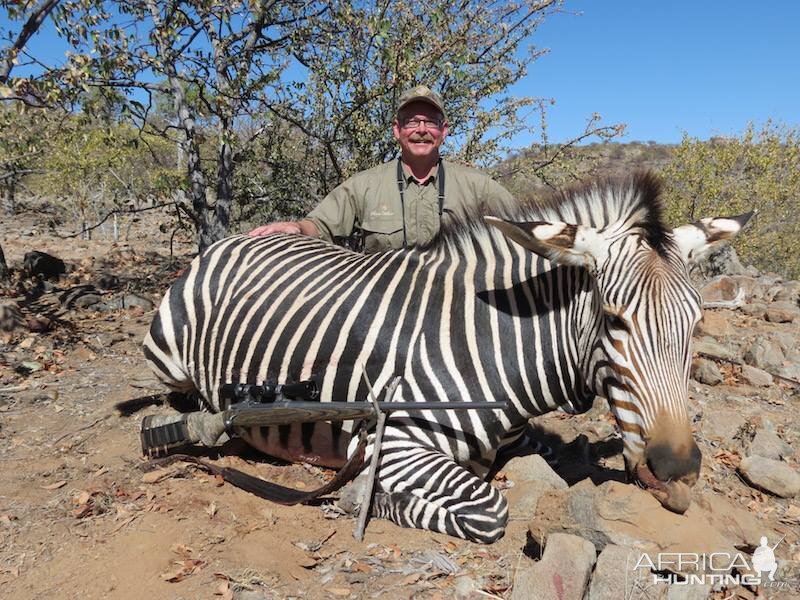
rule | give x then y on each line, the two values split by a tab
430	179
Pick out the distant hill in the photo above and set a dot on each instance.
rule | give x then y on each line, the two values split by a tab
535	168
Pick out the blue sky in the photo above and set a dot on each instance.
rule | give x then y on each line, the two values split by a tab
704	67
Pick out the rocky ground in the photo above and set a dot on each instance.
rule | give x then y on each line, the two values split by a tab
80	518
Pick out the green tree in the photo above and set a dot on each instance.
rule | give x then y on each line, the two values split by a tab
278	102
232	53
758	170
366	54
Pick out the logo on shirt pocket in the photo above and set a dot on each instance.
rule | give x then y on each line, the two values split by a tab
382	211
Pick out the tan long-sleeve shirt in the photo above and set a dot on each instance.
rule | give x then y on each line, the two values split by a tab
370	200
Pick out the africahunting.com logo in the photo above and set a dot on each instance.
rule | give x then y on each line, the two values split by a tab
718	568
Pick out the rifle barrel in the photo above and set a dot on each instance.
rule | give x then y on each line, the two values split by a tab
294	411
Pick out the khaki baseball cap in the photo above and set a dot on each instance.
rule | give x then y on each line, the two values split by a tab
421	93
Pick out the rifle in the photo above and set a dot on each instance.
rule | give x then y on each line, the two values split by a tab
268	405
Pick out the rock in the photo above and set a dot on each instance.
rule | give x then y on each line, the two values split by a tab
766	443
532	476
723	260
562	574
68	297
107	281
533	468
615	576
756	310
790	371
720	289
708	345
756	377
789	292
524	497
706	371
10	316
41	263
688	591
782	312
131	300
723	424
787	341
86	301
764	354
734	522
714	324
625	515
29	366
771	476
754	289
751	271
466	587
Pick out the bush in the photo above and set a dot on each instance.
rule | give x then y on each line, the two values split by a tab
731	175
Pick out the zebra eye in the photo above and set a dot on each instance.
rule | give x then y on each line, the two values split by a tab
614	321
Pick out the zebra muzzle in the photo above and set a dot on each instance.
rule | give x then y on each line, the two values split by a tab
673	495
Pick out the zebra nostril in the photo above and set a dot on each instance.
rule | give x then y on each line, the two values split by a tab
668	463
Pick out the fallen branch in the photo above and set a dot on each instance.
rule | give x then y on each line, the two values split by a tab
369	484
84	428
740	363
117	211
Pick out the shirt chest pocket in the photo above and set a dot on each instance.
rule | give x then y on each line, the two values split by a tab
382	233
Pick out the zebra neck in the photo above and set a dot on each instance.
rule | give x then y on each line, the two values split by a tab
530	323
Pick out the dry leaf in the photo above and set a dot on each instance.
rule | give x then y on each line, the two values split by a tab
182	550
183	570
339	591
54	486
411	579
362	567
730	459
123	524
82	498
792	513
307	562
224	590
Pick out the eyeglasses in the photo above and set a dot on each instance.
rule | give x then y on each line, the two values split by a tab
427	123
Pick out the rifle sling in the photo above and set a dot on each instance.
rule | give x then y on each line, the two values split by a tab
272	491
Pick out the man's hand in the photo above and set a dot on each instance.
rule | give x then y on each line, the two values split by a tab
279	227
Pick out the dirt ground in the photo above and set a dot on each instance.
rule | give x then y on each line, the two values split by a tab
80	518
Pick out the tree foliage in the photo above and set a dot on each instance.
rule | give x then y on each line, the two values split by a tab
272	104
758	170
367	54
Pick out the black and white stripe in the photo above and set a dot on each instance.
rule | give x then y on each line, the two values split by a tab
472	316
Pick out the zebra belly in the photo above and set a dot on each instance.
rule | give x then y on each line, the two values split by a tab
316	443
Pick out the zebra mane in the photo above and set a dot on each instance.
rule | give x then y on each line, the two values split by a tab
633	199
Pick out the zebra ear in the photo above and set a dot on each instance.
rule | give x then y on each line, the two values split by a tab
558	242
696	239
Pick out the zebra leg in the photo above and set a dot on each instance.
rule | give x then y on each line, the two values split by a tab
426	489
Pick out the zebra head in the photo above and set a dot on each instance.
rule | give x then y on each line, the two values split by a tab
643	311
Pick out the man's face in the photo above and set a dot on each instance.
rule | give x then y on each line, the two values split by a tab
422	140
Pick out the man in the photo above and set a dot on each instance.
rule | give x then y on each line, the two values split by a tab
403	202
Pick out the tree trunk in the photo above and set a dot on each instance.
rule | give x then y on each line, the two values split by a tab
3	265
225	168
9	198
